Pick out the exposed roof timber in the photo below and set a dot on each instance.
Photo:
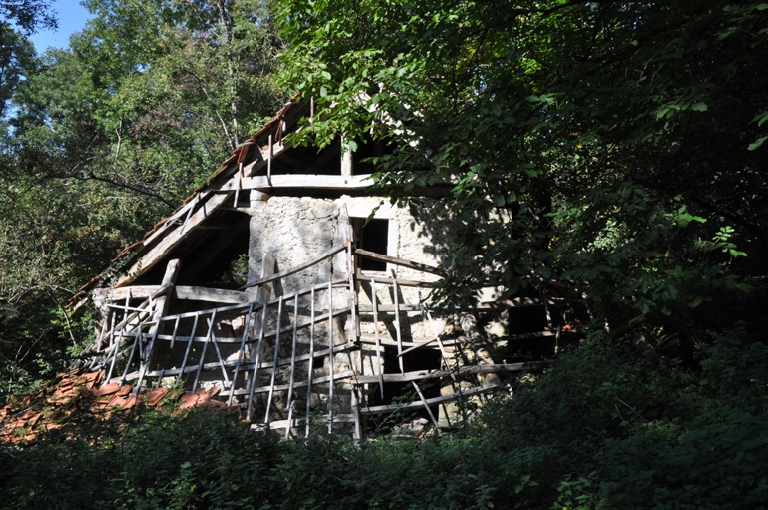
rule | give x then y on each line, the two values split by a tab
251	161
262	182
172	239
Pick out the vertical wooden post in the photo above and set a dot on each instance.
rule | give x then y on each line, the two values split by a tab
274	358
162	303
396	291
356	361
289	398
241	353
379	362
311	357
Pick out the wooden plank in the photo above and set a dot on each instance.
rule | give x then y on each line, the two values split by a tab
211	323
259	347
430	401
347	374
303	181
294	269
397	323
422	375
400	307
310	365
330	357
374	300
183	292
390	281
425	403
289	398
162	303
194	293
265	291
286	329
274	361
400	262
189	348
241	352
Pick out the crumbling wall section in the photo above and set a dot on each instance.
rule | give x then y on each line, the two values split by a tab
293	231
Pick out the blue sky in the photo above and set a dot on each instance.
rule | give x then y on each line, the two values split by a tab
71	16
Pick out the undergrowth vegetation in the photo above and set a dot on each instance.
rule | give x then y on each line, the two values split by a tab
604	427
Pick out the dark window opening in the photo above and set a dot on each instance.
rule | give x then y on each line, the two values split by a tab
372	236
308	161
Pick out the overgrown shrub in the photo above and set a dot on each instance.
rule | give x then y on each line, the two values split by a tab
602	428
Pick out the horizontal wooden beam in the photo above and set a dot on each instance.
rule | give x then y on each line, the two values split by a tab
463	371
401	262
430	401
184	292
304	181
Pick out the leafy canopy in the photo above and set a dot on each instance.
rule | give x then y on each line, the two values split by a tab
613	146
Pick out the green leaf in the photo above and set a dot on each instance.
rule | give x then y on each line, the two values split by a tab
757	143
498	200
699	107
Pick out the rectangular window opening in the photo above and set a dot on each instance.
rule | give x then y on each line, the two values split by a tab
371	236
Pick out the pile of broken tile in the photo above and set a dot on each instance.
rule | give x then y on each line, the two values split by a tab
26	417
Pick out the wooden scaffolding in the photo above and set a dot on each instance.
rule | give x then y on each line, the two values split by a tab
313	357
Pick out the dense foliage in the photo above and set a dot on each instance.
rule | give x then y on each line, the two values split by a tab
603	428
612	146
103	139
613	149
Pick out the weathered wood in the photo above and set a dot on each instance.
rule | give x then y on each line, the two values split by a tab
423	375
425	403
265	291
162	303
285	329
259	347
241	352
294	269
339	376
310	364
274	361
374	300
400	262
400	307
221	360
170	241
401	282
430	401
211	324
289	398
189	348
183	292
271	181
397	323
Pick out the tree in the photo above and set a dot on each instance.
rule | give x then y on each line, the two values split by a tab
28	15
106	137
611	146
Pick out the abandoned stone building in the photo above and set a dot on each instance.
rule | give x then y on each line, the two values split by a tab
304	299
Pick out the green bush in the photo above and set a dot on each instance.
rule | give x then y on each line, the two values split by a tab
602	428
